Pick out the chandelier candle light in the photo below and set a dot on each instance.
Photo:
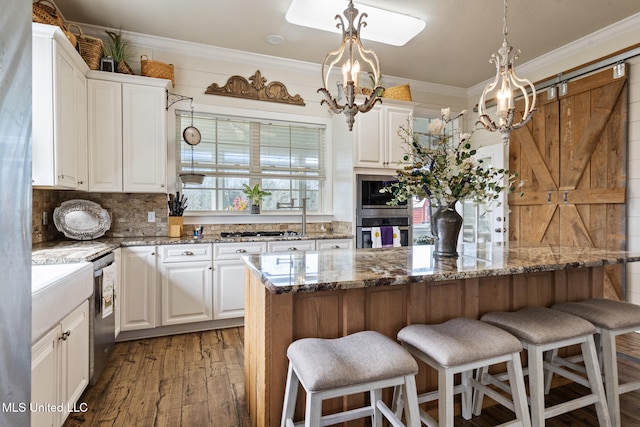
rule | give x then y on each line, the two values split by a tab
502	88
352	51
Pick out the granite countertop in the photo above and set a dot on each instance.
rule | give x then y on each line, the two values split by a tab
313	271
73	251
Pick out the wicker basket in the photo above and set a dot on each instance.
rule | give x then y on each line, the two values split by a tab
45	12
157	69
402	93
90	48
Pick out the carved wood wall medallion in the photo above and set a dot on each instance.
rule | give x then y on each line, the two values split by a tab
239	87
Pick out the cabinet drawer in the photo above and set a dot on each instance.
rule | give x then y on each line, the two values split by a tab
291	245
334	244
182	253
235	250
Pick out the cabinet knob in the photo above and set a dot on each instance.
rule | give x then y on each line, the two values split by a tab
60	176
187	253
241	251
80	182
153	253
65	335
161	185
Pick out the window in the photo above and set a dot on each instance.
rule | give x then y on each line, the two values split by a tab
283	158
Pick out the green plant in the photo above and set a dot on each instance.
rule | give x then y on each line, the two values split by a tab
255	194
118	47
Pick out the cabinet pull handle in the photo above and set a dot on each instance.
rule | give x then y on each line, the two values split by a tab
65	335
549	197
241	251
335	247
565	197
292	248
187	253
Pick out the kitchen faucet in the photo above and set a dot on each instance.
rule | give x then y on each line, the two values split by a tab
303	207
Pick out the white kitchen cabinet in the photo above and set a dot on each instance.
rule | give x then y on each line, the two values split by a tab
186	283
117	255
229	277
376	140
59	131
60	367
291	245
138	291
334	244
127	133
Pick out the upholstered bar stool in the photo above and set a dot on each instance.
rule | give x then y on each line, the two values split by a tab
459	346
361	362
540	330
611	318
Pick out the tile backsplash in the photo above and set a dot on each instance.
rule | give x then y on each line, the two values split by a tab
129	211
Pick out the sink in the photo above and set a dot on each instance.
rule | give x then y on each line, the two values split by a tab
56	290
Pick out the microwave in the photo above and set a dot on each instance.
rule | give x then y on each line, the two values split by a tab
370	201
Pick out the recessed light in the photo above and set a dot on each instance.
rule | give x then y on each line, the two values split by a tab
382	25
274	39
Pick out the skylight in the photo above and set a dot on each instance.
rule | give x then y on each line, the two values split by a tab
382	25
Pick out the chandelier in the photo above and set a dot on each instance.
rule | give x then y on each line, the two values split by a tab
355	56
504	88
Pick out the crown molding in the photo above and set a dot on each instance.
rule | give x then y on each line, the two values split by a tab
249	58
605	35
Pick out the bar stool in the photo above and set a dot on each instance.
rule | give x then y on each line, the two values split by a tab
458	346
611	318
542	329
360	362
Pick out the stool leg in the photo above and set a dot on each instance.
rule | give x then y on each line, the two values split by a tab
445	398
313	412
478	395
595	379
548	376
290	396
467	395
536	385
611	381
376	417
410	394
518	391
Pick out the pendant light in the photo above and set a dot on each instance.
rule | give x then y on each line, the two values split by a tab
191	136
354	56
505	88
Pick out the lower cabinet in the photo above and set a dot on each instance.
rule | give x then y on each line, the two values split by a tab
60	369
229	277
138	288
186	282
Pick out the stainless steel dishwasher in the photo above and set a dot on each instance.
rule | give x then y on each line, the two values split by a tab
102	318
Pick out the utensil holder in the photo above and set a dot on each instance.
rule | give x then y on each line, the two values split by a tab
175	226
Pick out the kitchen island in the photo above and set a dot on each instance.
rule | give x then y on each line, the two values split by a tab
332	293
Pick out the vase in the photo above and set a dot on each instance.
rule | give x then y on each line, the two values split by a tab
255	209
446	224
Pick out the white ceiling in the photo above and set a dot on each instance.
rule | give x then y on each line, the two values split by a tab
454	48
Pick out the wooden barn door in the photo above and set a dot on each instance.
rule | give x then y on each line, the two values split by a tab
572	158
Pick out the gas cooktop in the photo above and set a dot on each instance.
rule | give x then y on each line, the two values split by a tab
258	233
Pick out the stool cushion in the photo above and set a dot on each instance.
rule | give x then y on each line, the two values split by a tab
540	325
459	341
362	357
604	313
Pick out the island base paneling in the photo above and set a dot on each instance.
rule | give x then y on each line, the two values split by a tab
273	321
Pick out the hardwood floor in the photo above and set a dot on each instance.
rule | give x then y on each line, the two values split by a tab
196	379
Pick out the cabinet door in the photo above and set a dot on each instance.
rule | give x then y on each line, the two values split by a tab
334	244
291	245
144	138
105	136
394	118
64	114
138	290
45	378
74	356
186	292
369	142
229	277
117	254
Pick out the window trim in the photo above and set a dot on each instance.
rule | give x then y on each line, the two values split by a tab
326	210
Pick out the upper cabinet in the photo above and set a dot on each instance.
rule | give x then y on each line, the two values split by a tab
127	133
59	106
376	140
